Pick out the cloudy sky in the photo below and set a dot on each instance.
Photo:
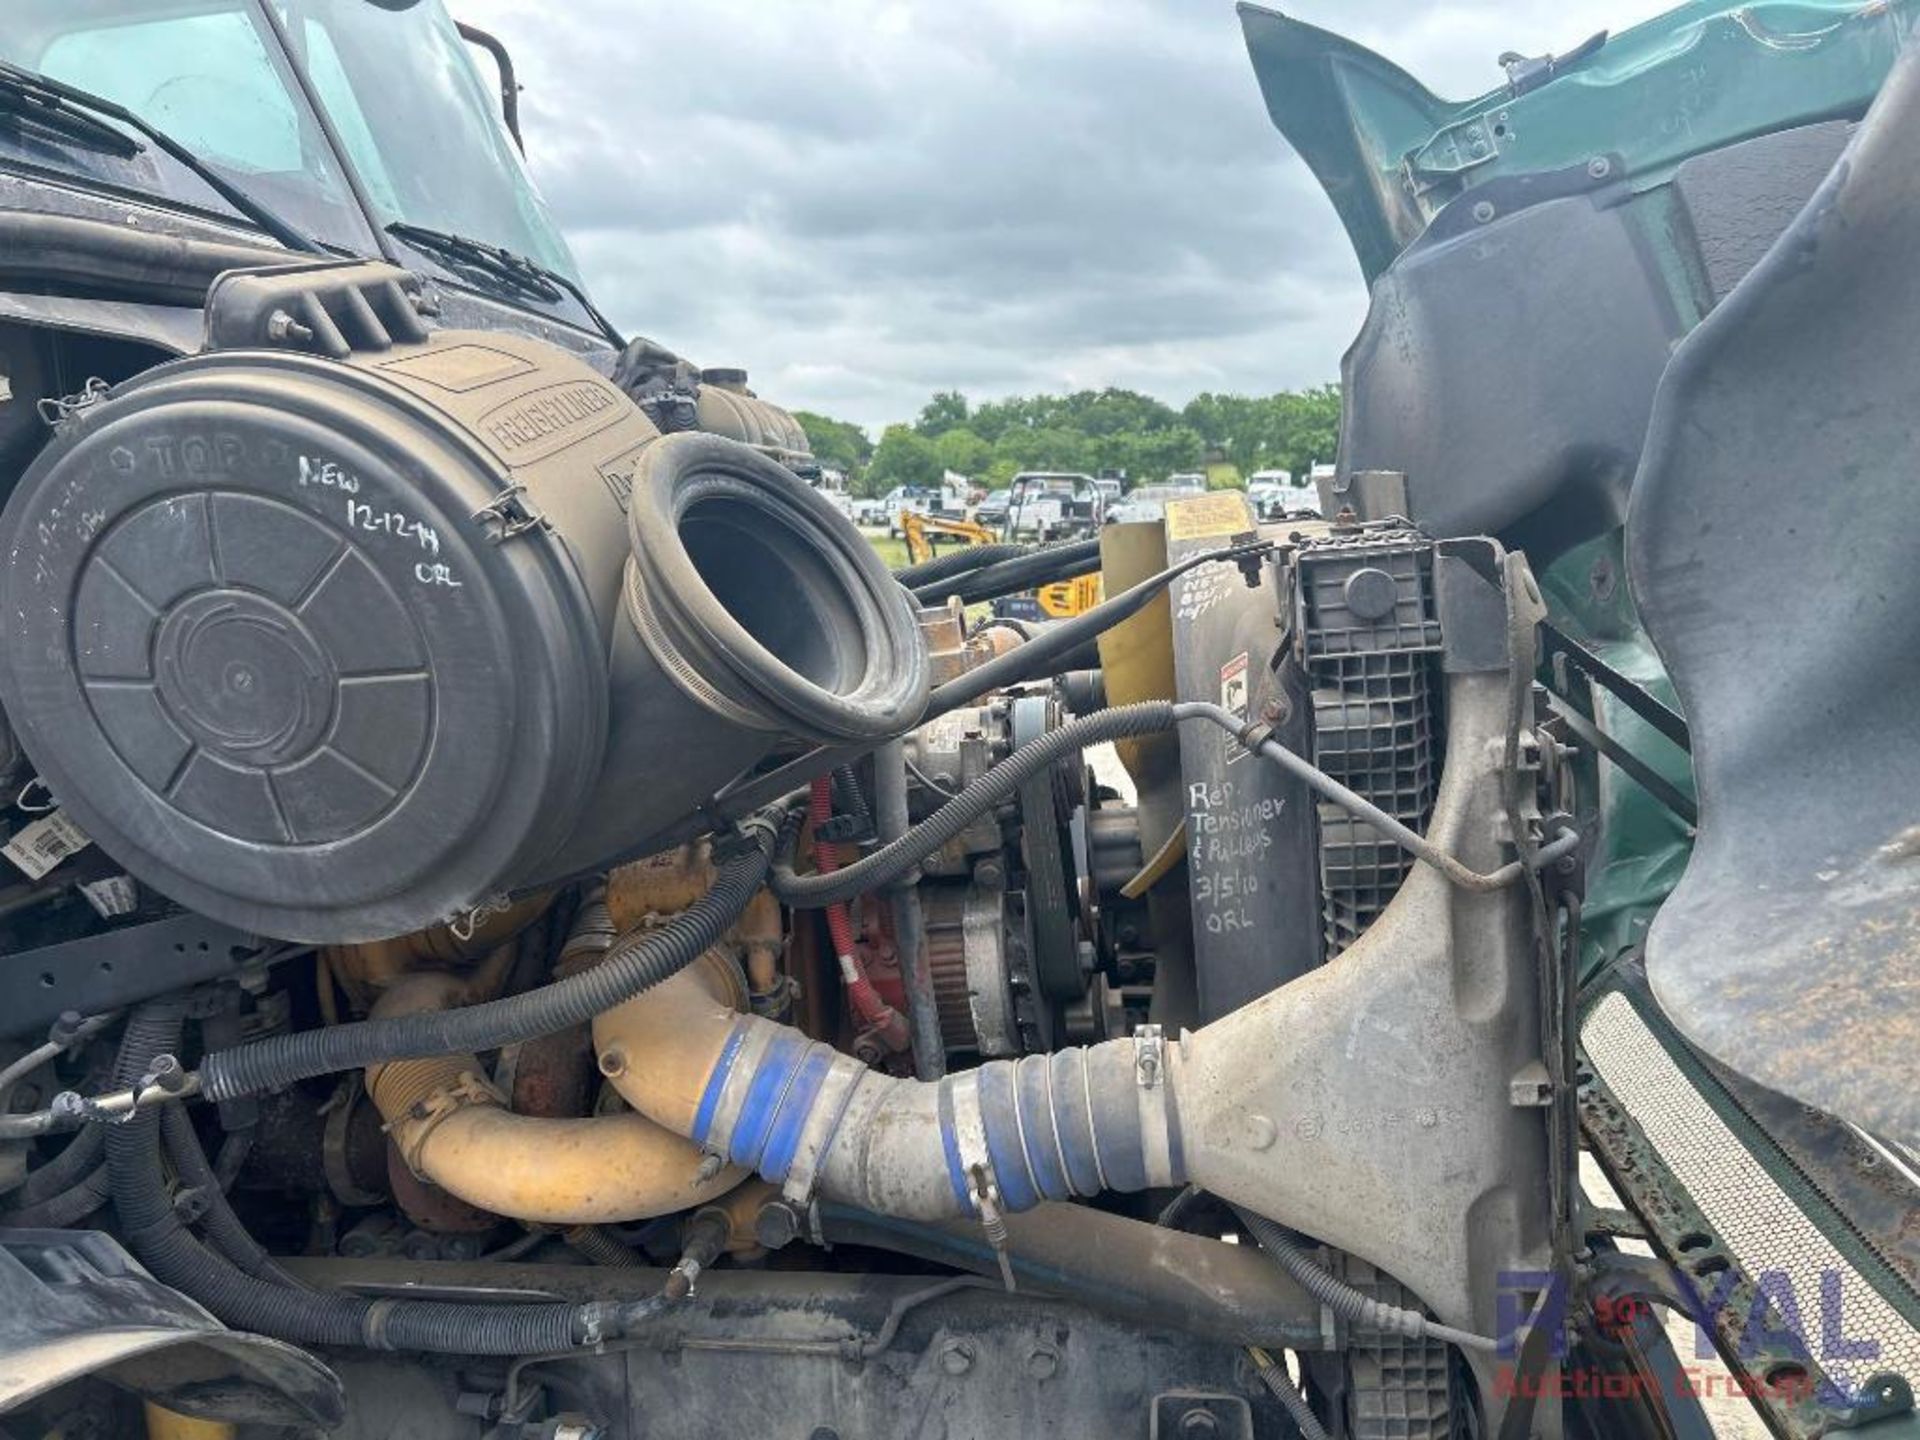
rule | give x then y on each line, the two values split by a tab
865	201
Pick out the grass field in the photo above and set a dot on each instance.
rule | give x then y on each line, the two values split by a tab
894	552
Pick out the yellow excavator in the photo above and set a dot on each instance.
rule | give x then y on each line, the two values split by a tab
1057	601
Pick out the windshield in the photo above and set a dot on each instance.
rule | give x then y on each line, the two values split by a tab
418	124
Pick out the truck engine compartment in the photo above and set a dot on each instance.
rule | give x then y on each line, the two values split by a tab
526	927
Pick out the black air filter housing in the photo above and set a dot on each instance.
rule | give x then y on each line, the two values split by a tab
325	647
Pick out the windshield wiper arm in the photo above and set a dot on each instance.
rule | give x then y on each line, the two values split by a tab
40	98
49	112
519	272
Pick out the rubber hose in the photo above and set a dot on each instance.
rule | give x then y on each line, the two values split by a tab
164	1245
811	892
634	963
225	1231
957	562
1011	577
67	1169
1042	655
66	1209
1351	1305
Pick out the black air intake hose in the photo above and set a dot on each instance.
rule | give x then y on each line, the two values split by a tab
165	1246
634	963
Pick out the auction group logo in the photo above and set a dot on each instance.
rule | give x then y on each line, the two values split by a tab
1790	1346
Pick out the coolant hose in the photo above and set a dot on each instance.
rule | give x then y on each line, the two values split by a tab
1352	1305
811	892
634	963
164	1245
1001	1138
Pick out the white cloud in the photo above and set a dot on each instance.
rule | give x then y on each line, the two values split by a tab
864	201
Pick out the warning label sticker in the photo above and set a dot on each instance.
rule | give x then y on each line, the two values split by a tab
1234	697
1222	512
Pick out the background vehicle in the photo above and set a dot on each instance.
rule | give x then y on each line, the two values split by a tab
1145	502
993	509
495	856
907	500
1273	493
1053	506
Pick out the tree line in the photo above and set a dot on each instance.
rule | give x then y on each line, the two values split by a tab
1091	430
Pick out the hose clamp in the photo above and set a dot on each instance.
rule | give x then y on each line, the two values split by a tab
412	1130
1149	1056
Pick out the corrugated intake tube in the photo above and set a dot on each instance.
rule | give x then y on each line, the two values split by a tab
636	962
166	1247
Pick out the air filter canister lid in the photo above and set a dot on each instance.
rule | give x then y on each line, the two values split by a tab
269	641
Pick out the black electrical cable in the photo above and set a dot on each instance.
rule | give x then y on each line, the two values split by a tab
890	861
68	1207
1037	657
1011	574
636	962
161	1240
225	1230
1280	1384
1013	577
1354	1306
896	857
957	562
848	796
81	1158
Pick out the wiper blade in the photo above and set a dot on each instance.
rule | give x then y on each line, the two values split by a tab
491	261
45	110
520	273
40	98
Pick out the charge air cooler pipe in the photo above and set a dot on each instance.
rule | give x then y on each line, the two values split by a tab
1000	1138
453	1128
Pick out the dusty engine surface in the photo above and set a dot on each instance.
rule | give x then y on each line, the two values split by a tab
535	886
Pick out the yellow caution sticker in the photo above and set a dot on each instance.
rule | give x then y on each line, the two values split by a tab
1219	512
